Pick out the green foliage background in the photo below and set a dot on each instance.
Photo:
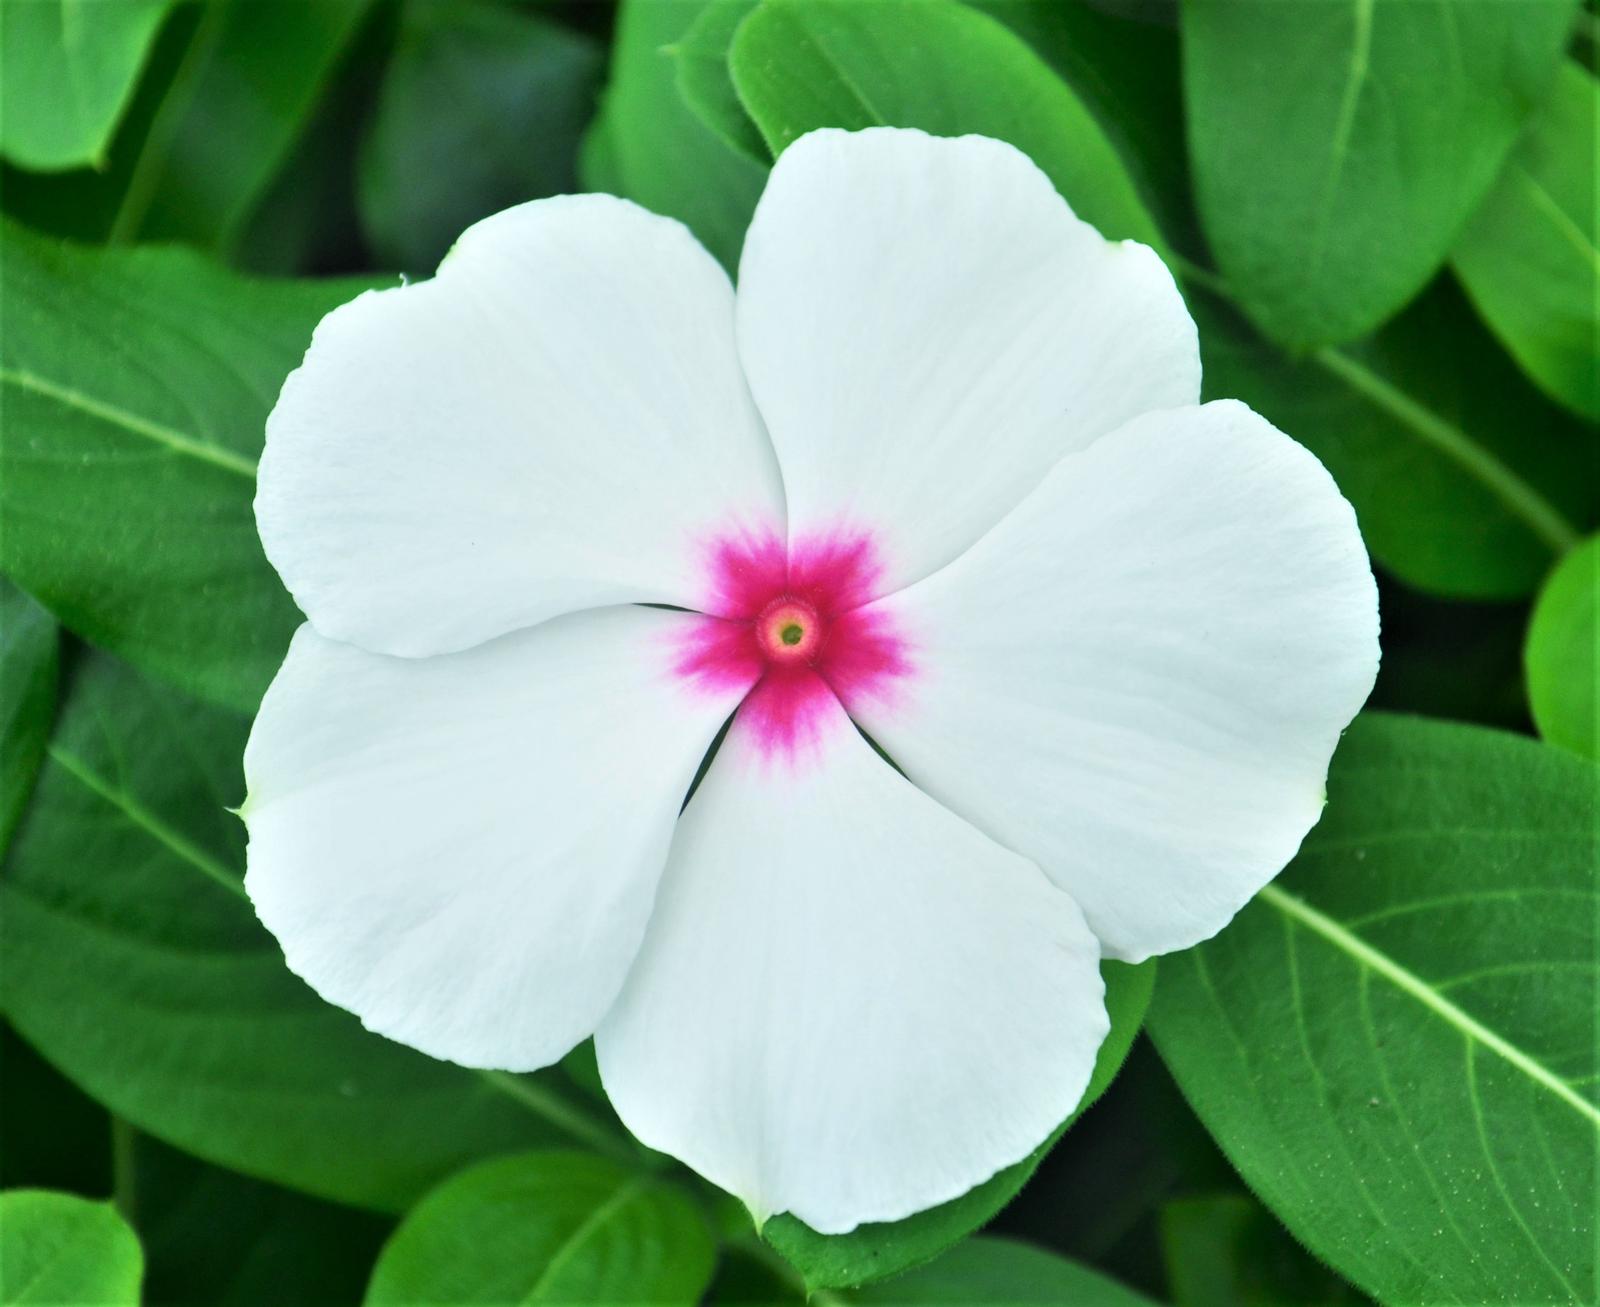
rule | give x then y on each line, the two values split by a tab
1381	1083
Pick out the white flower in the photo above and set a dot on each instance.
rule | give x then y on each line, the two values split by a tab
938	468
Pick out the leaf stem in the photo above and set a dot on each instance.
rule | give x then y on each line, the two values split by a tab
1537	513
1524	502
563	1115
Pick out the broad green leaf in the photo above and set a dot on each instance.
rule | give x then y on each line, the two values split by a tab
648	146
134	963
1563	653
60	1249
1226	1250
246	87
990	1272
706	83
1339	145
934	64
1395	1043
29	652
136	385
1530	257
66	72
270	1248
481	108
870	1252
1466	481
560	1228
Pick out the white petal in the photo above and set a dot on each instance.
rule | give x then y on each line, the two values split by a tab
464	850
554	422
850	1004
927	328
1138	678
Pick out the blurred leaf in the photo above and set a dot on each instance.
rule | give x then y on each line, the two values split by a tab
1338	145
134	963
66	73
1395	1043
481	109
988	1272
248	83
29	654
62	1250
1529	257
1465	480
1225	1250
228	91
706	83
1563	653
937	65
555	1227
870	1252
136	387
649	147
214	1238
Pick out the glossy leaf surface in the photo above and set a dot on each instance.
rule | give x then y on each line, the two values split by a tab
1395	1043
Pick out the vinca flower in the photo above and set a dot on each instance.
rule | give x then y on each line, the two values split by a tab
935	479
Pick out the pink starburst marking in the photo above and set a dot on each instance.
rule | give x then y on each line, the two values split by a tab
793	624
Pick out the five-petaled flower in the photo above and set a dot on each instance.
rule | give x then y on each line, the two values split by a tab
938	471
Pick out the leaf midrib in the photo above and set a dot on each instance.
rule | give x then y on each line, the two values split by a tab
177	441
1547	523
1351	944
1565	227
624	1194
562	1115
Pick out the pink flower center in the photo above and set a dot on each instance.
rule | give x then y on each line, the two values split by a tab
789	631
796	629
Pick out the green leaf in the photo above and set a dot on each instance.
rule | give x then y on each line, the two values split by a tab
57	1248
136	386
1125	68
247	85
229	93
1563	653
481	108
66	73
272	1248
937	65
870	1252
29	653
134	963
1395	1044
1339	145
648	146
706	84
1530	259
1225	1250
1465	480
551	1227
990	1272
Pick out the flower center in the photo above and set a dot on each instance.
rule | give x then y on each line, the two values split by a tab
789	630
